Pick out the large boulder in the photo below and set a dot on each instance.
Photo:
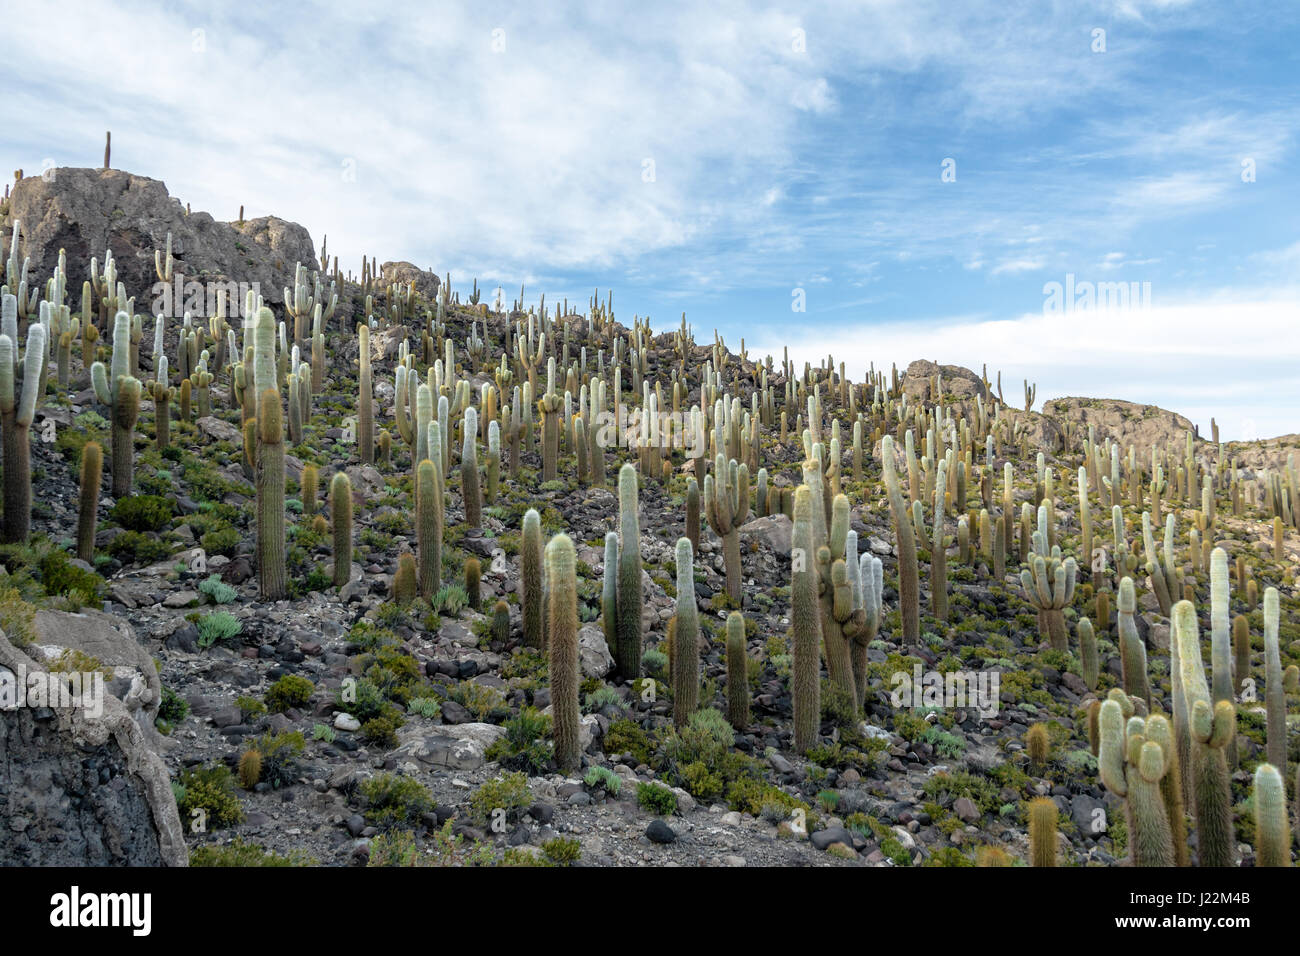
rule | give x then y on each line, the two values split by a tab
1128	423
402	273
86	211
79	788
954	381
111	641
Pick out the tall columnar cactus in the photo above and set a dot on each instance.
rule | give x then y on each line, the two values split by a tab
805	615
609	591
17	411
842	618
909	589
309	488
1210	728
1272	826
1274	691
406	583
270	497
92	467
549	406
627	648
726	500
1133	758
470	489
686	639
1043	816
737	672
530	560
693	512
1049	586
341	525
1132	652
428	527
1088	652
365	399
493	461
565	676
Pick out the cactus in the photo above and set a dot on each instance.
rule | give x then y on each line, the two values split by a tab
909	589
406	585
549	407
737	672
469	478
365	399
1048	583
428	527
530	559
1037	744
842	618
686	640
17	411
1132	652
493	461
563	651
1133	758
627	647
1274	692
1088	652
1272	827
309	488
805	615
1042	831
1210	730
341	523
500	622
726	501
693	513
270	497
473	582
92	466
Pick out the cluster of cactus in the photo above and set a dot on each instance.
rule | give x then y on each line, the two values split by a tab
726	499
621	595
1136	755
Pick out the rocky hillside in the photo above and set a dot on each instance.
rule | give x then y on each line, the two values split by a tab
409	601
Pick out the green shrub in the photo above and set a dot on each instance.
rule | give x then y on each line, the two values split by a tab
17	618
393	801
250	708
59	576
508	792
625	736
524	745
173	709
279	756
241	854
605	778
656	798
136	547
142	512
212	791
220	541
424	707
381	731
291	690
217	627
217	590
562	850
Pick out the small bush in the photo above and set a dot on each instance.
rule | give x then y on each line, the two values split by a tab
217	627
508	792
562	850
656	798
393	801
524	745
142	512
17	618
136	547
212	791
217	590
290	690
173	709
241	854
605	778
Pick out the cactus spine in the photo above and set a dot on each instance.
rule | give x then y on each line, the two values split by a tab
1042	831
686	640
341	524
563	651
92	466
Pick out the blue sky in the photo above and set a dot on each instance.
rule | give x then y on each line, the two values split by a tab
792	148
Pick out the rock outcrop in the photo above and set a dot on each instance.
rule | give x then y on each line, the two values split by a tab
78	789
1129	423
426	282
86	211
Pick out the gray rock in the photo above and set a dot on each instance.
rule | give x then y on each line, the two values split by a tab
775	531
660	832
593	652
